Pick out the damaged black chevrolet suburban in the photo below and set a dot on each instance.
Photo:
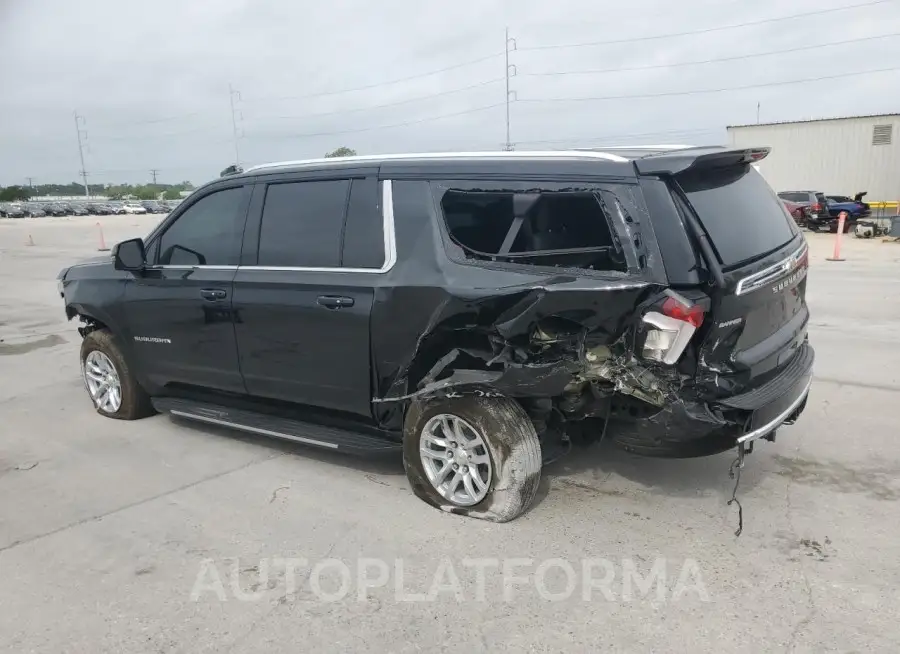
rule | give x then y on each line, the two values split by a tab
478	311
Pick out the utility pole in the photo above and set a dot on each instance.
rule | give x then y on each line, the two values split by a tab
757	113
79	121
231	95
153	172
510	72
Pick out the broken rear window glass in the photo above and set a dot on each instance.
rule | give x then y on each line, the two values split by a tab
568	228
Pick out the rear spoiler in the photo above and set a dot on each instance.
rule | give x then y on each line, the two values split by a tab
675	162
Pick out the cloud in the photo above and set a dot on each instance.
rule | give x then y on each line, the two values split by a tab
152	79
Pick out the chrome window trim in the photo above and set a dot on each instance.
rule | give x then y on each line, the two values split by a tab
756	280
390	247
390	243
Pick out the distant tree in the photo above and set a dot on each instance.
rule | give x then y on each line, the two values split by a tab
14	194
342	151
172	194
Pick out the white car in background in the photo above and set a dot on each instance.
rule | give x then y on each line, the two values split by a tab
133	207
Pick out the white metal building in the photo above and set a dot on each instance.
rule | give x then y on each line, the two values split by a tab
839	156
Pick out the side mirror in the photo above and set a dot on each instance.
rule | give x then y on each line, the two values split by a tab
130	255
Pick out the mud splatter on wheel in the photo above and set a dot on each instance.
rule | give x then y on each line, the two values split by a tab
473	456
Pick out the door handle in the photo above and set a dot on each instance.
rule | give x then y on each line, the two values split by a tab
334	301
213	294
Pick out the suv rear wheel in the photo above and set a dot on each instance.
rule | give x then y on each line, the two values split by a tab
472	456
109	381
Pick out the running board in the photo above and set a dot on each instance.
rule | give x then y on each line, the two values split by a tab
330	438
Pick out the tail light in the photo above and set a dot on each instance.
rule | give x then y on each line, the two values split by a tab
670	330
815	207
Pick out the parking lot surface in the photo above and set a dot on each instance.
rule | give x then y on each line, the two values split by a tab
162	536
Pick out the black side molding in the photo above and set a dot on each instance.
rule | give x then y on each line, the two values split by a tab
321	436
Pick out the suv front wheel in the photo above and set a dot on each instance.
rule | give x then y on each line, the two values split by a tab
475	456
111	385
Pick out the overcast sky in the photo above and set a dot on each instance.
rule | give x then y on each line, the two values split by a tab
151	79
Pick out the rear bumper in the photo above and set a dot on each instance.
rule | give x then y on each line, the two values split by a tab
789	414
692	429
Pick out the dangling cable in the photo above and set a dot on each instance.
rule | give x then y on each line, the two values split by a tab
738	463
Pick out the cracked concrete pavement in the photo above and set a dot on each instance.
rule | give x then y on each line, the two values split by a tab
106	527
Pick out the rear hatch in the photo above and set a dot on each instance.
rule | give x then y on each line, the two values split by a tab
758	316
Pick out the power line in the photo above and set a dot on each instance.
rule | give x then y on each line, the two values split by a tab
159	136
706	30
377	127
153	172
719	90
153	121
365	87
817	46
387	104
583	139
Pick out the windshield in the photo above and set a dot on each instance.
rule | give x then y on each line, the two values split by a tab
741	214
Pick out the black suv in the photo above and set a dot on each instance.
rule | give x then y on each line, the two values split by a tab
476	311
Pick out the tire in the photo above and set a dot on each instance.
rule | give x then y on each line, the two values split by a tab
135	403
511	443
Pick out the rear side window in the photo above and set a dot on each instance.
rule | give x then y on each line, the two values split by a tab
794	197
739	211
302	224
821	199
558	228
209	232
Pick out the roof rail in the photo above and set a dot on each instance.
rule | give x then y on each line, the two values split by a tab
503	154
650	148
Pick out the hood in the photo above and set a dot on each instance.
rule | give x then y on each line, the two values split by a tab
85	263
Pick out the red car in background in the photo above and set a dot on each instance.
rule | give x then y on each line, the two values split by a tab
799	212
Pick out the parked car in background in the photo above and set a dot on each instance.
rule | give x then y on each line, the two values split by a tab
34	210
98	209
818	217
79	209
133	207
116	208
814	201
152	206
13	210
54	209
799	212
854	208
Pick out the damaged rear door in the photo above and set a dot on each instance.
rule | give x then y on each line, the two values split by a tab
552	271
